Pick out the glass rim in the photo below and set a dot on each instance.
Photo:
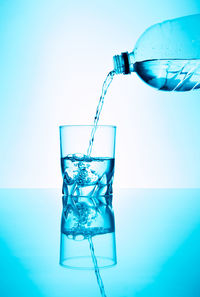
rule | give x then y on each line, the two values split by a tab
64	263
65	126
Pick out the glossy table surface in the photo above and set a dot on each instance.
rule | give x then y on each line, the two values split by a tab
157	237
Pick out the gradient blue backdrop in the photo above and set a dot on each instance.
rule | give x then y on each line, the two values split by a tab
54	56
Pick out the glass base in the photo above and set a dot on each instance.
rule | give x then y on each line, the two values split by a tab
85	254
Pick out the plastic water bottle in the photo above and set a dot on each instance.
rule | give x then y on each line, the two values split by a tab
166	56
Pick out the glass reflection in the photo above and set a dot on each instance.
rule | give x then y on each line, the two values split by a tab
87	232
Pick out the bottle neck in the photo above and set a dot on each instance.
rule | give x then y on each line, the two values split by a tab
124	63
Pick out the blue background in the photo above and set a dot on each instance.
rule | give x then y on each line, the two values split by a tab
54	56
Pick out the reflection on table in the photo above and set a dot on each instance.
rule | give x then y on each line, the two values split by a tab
157	236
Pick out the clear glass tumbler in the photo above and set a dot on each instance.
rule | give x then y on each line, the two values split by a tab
87	225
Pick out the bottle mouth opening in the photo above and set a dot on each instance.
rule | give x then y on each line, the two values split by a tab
121	63
118	64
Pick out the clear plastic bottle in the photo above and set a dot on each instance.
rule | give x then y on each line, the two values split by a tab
166	56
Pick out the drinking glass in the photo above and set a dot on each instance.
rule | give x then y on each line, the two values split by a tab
87	224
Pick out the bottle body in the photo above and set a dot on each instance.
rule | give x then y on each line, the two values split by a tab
166	56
